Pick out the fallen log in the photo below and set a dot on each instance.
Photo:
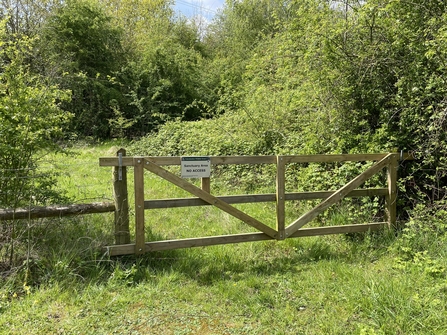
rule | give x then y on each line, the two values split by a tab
56	211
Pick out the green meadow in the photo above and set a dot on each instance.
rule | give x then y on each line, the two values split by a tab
386	282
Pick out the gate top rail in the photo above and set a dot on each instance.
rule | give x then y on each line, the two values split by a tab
222	160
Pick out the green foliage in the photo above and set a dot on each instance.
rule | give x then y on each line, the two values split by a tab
164	77
426	229
365	77
119	124
420	248
392	57
231	40
295	77
167	85
25	18
81	51
420	261
144	22
30	120
83	33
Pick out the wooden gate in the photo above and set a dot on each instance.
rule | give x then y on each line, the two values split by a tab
203	197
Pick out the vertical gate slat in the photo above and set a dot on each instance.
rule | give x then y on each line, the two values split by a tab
280	197
139	205
206	185
391	197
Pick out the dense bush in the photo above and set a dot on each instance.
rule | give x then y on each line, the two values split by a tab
30	120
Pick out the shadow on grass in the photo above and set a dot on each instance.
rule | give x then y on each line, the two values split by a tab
68	251
208	265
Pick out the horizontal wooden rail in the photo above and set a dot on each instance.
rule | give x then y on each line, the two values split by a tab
255	198
223	160
56	211
128	249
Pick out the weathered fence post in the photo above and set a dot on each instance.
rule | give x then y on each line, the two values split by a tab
122	232
391	197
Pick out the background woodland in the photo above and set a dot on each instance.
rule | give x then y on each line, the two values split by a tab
264	77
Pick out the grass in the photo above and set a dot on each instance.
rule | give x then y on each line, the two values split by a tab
361	284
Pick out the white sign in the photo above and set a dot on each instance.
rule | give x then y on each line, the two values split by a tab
196	167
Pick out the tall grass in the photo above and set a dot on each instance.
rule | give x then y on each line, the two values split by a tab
374	283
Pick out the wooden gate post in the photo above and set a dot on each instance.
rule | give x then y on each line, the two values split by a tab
391	197
122	233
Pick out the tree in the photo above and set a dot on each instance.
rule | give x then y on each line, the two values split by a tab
30	120
233	37
25	17
144	22
165	72
81	51
138	69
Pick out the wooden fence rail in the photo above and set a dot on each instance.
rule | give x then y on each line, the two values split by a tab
120	206
56	211
203	197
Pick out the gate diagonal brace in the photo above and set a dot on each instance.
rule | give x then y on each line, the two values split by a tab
337	196
212	200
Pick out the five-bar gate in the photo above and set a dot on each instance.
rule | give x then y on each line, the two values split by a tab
203	197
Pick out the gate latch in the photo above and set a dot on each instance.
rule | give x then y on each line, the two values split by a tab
120	166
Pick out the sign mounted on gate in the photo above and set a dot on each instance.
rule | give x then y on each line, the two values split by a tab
196	167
